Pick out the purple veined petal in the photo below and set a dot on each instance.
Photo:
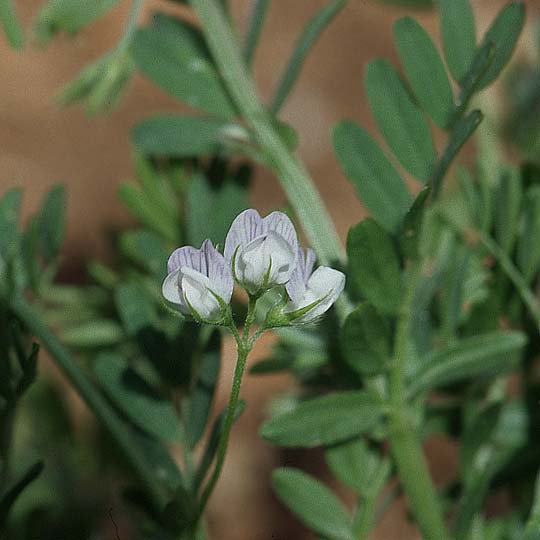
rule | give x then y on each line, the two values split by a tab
325	284
309	262
196	289
171	290
187	256
246	227
282	225
296	286
218	271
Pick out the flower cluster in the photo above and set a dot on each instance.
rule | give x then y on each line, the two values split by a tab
260	254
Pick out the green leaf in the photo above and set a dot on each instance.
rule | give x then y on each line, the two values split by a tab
52	222
256	22
422	63
459	36
136	399
409	3
508	206
307	39
324	420
399	119
199	402
148	212
11	24
504	34
377	182
358	467
461	133
212	208
94	334
365	341
146	249
495	352
532	529
69	16
313	503
171	53
134	307
10	205
374	265
10	496
179	135
528	249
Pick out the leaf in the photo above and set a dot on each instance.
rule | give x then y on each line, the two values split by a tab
377	182
508	205
313	503
494	352
399	119
146	249
179	135
148	212
212	208
134	307
324	420
528	249
172	55
10	205
93	334
10	496
358	467
136	399
365	341
459	36
532	529
199	401
309	36
256	22
11	24
374	265
504	34
422	63
52	222
461	133
69	16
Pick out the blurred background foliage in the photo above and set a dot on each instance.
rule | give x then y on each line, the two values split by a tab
154	377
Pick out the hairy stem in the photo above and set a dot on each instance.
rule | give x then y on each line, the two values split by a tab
229	420
405	444
294	179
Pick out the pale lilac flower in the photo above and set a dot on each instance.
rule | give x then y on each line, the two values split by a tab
320	288
197	280
262	251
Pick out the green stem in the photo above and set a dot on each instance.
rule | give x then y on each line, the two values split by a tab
404	441
363	518
294	179
258	15
6	433
229	420
131	25
99	406
250	318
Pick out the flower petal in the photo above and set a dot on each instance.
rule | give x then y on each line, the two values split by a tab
296	286
195	288
245	228
218	271
282	225
171	290
325	284
187	256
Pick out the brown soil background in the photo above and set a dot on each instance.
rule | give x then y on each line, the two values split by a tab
41	145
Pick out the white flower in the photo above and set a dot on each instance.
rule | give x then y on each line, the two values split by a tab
196	279
320	288
262	251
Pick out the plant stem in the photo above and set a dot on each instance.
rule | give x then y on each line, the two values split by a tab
405	445
294	179
229	419
6	433
131	25
258	15
363	518
99	406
